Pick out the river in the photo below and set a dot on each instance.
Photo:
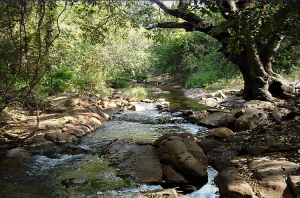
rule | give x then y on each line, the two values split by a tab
42	174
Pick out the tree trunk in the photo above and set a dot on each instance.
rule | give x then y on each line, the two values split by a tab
261	83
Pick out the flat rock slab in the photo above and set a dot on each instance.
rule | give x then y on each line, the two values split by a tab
272	175
213	119
139	161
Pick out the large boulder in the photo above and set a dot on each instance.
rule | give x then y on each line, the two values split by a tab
213	119
271	176
249	118
184	155
174	158
232	185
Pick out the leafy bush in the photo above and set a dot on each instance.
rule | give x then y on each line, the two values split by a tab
58	82
193	58
118	81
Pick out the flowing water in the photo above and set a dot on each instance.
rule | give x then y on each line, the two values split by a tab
41	175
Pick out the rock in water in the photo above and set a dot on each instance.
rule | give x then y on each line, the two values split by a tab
136	160
184	154
74	182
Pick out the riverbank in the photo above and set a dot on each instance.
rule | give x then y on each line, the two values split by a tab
261	158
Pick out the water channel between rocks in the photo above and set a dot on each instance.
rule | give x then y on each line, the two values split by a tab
42	174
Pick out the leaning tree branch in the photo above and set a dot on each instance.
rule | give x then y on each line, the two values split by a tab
176	25
193	22
181	12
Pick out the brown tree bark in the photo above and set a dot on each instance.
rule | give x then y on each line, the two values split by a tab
260	82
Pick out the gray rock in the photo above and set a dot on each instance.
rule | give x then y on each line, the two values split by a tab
17	153
155	89
250	119
61	138
137	108
213	119
258	104
208	144
221	158
277	116
74	182
197	116
174	176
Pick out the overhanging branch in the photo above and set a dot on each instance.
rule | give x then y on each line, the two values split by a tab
185	25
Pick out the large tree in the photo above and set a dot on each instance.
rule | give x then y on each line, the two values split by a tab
250	33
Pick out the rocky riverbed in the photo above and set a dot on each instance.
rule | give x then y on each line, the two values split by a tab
253	144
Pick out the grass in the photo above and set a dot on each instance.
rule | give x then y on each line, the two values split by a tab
226	85
238	82
135	91
293	76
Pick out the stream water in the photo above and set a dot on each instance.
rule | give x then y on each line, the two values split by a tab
41	174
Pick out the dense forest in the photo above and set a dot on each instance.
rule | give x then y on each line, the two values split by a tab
52	47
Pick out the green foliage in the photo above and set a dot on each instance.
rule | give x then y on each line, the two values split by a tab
287	59
191	57
112	60
136	91
119	81
58	82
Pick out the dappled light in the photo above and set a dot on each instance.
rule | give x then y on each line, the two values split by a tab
150	99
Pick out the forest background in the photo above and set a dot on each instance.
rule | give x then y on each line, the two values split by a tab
49	47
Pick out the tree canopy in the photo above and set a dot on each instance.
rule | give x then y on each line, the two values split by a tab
250	33
50	47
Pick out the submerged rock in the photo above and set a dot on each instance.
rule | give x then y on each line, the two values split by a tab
74	182
17	153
